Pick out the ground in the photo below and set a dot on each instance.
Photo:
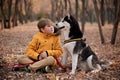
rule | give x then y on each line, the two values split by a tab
14	41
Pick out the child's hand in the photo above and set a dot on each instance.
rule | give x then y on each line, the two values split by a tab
43	55
40	58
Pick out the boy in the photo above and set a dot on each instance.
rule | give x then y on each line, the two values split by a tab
44	47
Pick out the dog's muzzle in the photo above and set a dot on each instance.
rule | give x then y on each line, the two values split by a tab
61	27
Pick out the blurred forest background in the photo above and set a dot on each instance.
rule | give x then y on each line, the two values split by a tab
13	12
99	21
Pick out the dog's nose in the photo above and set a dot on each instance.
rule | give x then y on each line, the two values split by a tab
56	24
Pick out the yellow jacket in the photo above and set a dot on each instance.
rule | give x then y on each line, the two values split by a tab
41	43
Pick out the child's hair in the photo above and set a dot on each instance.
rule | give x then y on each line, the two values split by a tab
44	22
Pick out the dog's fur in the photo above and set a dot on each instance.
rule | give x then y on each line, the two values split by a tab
82	55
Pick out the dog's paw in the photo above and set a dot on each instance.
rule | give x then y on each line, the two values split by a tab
71	73
95	71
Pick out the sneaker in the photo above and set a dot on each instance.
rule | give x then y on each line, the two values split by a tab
46	69
18	67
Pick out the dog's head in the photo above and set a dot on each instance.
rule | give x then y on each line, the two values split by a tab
70	24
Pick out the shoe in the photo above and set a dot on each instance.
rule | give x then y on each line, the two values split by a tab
19	67
46	69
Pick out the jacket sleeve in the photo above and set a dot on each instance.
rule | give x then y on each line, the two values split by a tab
56	50
31	49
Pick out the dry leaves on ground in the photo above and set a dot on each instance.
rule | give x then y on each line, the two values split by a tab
14	41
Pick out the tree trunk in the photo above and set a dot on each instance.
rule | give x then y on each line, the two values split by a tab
65	2
98	20
83	16
2	18
102	13
52	9
76	9
117	17
9	13
61	8
70	8
15	14
2	14
25	17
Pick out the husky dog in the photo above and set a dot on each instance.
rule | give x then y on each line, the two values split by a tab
82	55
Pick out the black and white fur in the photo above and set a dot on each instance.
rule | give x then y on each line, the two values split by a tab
82	55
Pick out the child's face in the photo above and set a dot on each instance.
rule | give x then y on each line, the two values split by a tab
48	29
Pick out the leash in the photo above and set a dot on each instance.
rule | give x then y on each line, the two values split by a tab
16	66
22	65
59	64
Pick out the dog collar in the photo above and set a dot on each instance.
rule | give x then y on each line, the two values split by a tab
70	40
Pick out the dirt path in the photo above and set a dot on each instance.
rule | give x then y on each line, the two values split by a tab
14	41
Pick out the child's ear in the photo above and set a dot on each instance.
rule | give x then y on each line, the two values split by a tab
56	31
42	29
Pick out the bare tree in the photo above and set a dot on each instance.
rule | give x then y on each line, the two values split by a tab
9	13
117	19
2	14
60	8
83	15
98	20
102	13
70	8
15	13
76	9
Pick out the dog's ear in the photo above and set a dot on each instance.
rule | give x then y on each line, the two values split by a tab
68	16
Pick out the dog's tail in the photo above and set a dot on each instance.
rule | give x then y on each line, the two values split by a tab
105	63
